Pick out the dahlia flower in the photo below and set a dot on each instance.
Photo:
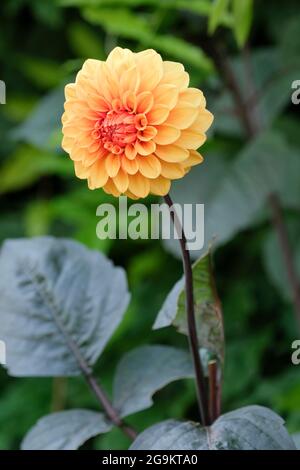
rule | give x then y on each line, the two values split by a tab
132	124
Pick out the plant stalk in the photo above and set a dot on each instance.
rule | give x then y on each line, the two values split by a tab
191	320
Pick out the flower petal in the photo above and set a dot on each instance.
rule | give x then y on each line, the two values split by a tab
190	139
166	134
110	188
130	80
150	66
160	186
98	176
172	170
139	185
121	181
81	171
158	114
193	96
174	73
166	94
129	166
130	151
194	159
112	165
171	153
145	148
203	121
149	166
182	116
147	134
145	102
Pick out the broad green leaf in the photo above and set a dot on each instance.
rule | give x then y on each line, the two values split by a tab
200	7
85	42
120	22
60	303
242	13
207	309
296	438
265	85
238	197
218	10
37	218
44	121
274	261
43	73
66	430
144	371
248	428
182	51
27	165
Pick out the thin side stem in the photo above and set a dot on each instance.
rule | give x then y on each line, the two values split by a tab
86	370
251	122
283	239
213	390
100	394
190	310
109	409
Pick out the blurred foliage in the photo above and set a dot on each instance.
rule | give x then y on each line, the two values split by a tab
42	46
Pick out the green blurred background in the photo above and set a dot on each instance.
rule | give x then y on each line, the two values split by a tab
42	46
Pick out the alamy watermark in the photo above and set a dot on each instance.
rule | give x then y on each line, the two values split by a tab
296	94
296	354
138	221
2	353
2	92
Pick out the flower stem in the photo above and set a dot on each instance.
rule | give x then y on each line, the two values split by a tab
190	310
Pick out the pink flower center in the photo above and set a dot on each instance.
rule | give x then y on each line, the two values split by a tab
115	130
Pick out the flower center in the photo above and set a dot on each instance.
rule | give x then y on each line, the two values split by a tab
116	130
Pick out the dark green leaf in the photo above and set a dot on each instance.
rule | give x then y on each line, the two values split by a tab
249	428
66	430
60	303
144	371
207	309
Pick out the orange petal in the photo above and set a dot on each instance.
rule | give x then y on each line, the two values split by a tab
166	134
158	114
150	66
147	134
193	96
172	170
160	186
70	91
98	175
144	102
112	165
130	80
129	101
171	153
182	116
145	148
190	139
121	181
81	171
67	143
139	185
129	166
130	151
166	94
203	121
194	159
174	73
149	166
78	154
110	188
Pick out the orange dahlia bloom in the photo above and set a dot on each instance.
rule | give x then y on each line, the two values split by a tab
132	124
